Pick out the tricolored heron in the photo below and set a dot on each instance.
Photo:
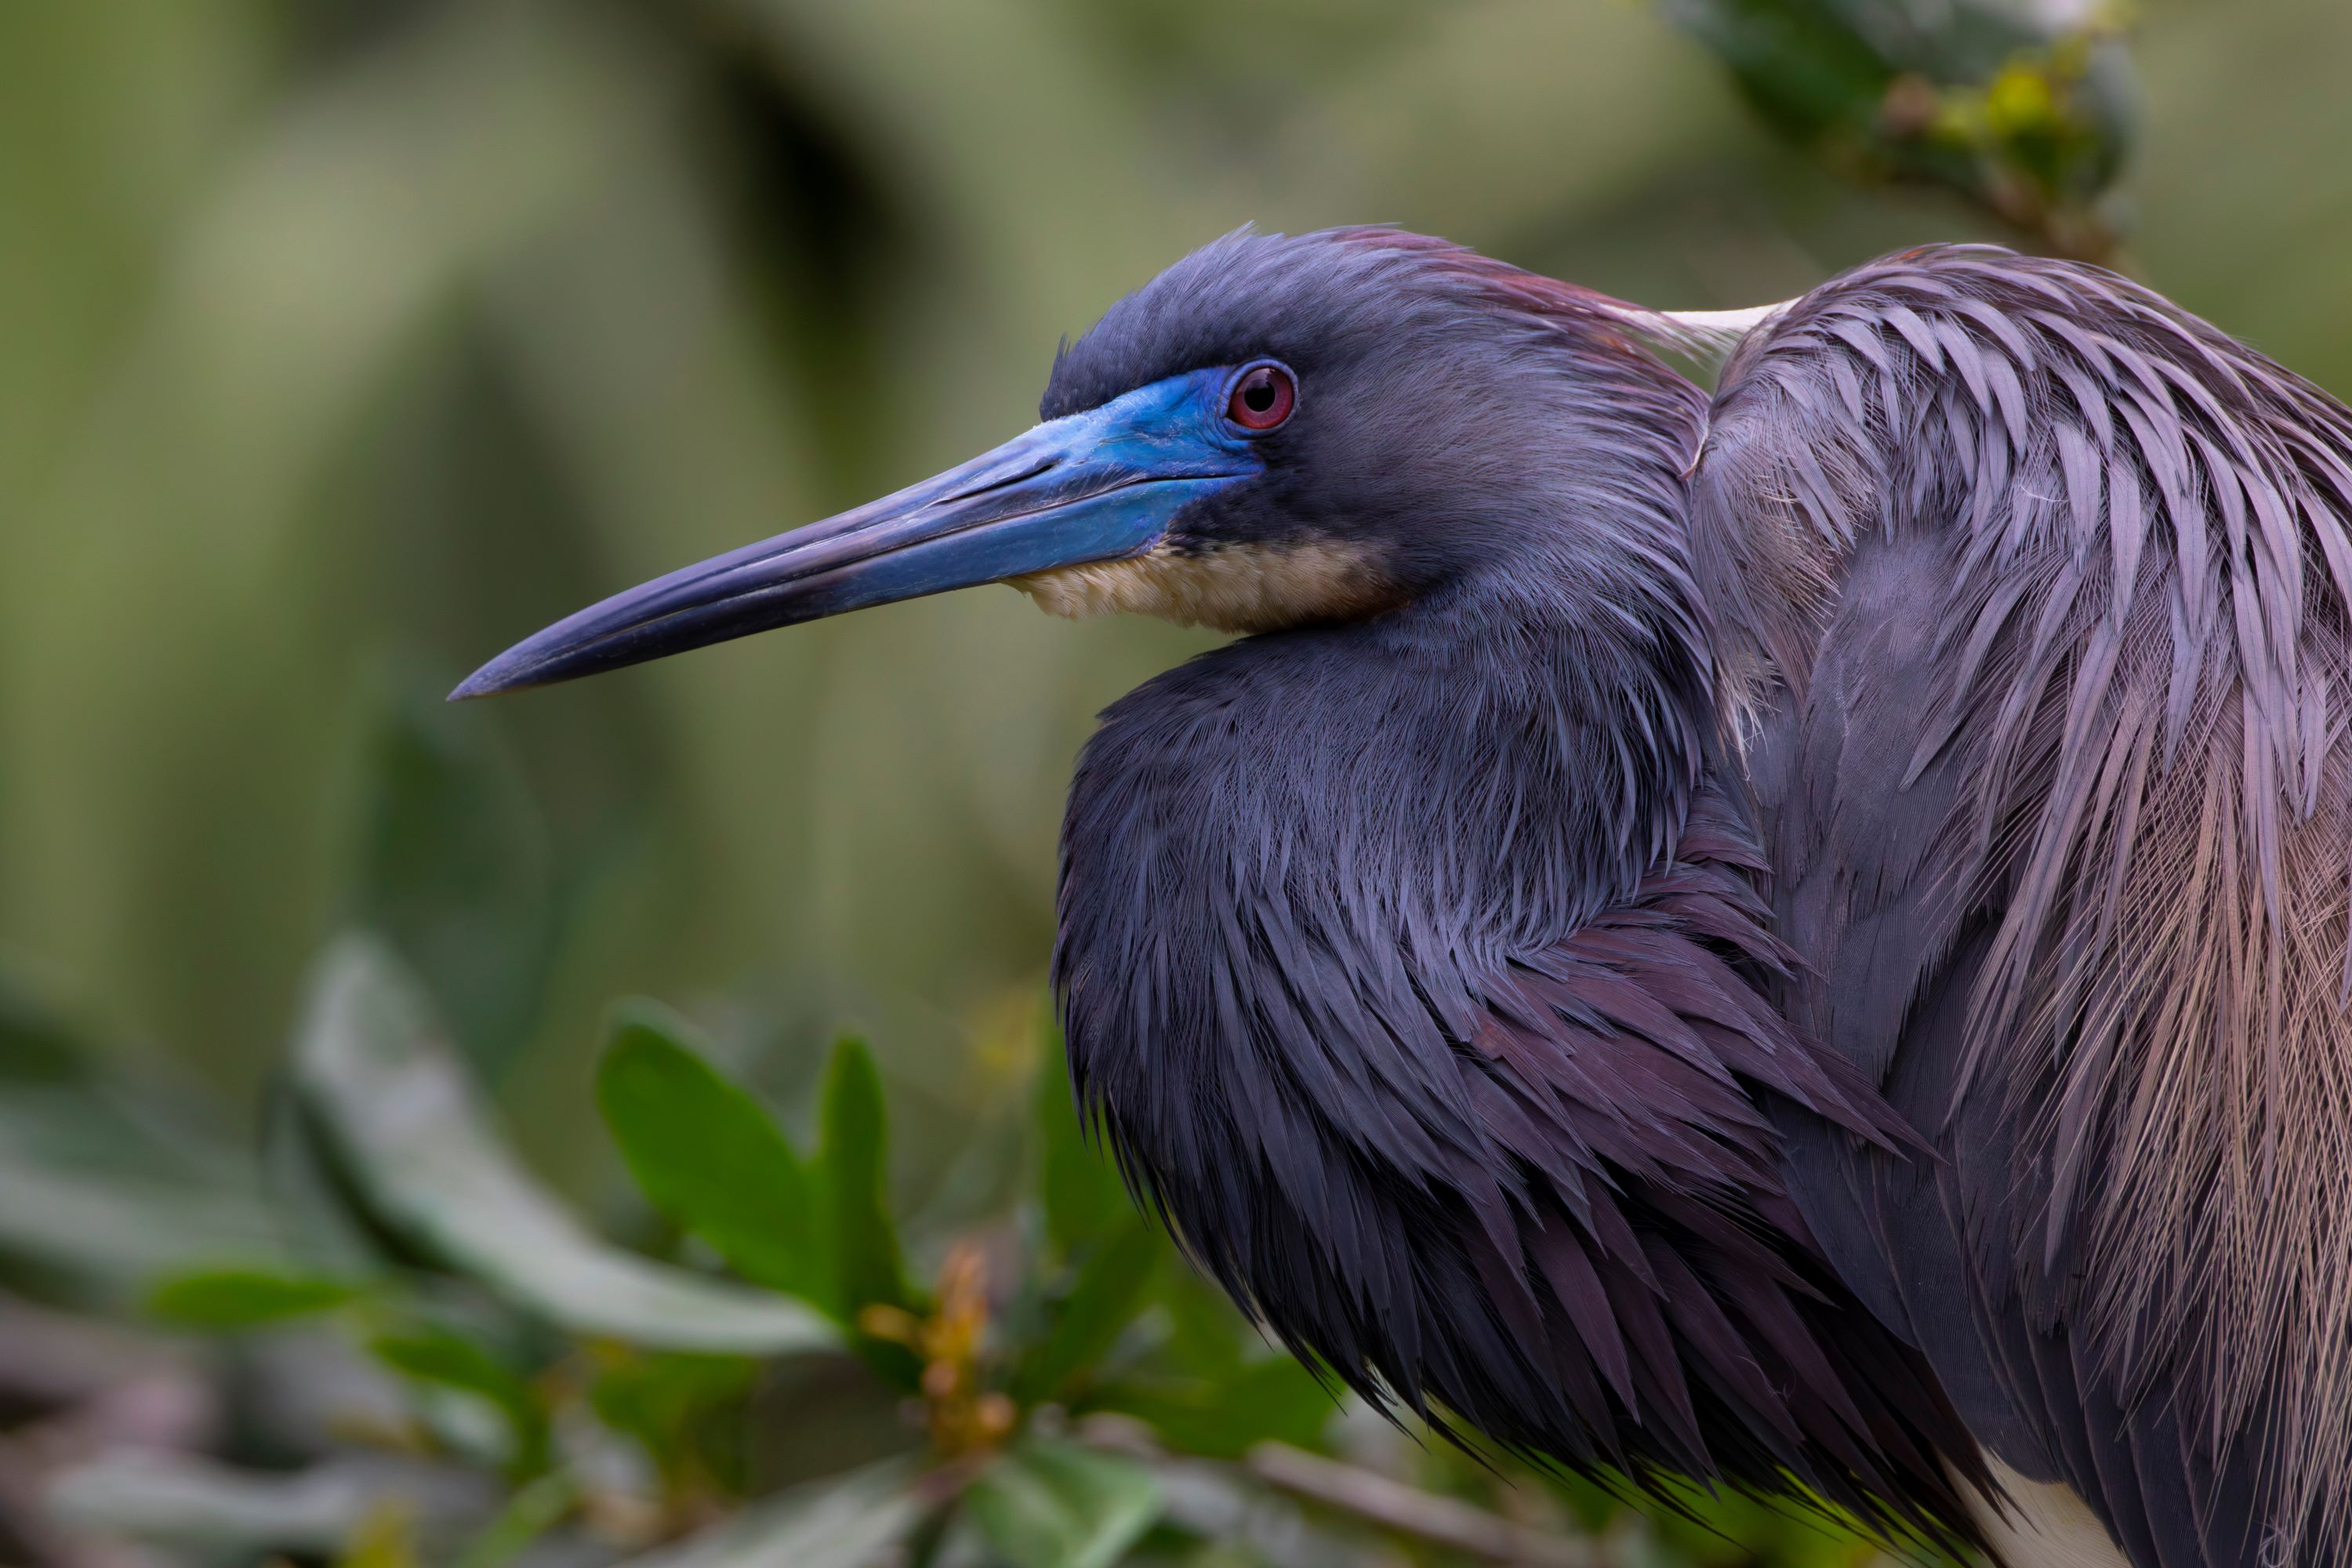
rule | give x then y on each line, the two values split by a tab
1796	937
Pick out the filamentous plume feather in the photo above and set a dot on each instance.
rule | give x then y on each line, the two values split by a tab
2035	589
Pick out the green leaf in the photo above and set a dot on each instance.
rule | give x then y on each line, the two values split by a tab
1084	1199
1224	1416
231	1299
852	1175
108	1176
93	1234
203	1510
37	1045
1212	1386
455	869
436	1356
417	1144
1111	1291
533	1510
1802	63
708	1154
845	1522
672	1405
384	1538
1048	1504
325	1222
2027	111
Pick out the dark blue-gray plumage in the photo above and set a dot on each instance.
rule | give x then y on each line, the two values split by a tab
1796	938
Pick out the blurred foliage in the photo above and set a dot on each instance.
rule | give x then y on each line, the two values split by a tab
2023	108
348	339
1059	1391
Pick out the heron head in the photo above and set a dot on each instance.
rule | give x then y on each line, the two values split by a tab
1276	431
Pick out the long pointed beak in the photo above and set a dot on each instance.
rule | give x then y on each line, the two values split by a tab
1097	486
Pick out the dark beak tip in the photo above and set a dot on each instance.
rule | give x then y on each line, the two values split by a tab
1031	505
491	680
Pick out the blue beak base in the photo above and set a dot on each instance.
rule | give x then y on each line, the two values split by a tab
1103	485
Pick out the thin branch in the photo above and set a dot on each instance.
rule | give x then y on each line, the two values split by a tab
1425	1516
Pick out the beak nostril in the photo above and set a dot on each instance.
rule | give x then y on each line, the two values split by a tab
1002	482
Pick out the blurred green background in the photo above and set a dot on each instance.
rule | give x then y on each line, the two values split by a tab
343	342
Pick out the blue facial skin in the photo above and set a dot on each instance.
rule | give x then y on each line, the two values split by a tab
1102	485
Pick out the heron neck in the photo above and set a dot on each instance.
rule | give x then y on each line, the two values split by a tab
1469	773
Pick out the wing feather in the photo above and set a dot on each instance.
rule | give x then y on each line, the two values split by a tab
2032	606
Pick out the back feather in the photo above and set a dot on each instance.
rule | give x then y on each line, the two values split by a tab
2076	566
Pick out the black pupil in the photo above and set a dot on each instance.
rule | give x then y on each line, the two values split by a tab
1259	393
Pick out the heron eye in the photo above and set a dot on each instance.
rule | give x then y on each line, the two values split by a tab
1262	397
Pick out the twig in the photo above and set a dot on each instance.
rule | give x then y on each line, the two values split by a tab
1425	1516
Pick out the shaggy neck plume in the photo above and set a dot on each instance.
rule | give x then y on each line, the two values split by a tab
1410	967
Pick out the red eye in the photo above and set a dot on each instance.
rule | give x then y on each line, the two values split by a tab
1262	397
